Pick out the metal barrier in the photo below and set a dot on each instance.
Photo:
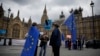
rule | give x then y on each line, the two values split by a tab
9	43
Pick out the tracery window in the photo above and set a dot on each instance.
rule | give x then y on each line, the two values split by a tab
16	31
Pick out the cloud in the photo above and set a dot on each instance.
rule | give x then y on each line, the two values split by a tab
21	2
96	7
64	2
34	8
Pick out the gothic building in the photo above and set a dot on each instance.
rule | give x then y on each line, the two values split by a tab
44	16
60	21
15	27
84	25
43	19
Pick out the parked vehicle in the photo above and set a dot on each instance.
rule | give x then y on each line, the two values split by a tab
92	44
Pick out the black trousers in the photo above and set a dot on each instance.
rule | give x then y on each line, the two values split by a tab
56	50
36	51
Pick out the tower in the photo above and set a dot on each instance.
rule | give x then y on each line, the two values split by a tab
23	20
29	22
11	16
17	17
18	14
62	16
78	13
79	22
44	16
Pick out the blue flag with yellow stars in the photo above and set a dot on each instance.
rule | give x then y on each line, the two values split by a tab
63	37
70	23
31	42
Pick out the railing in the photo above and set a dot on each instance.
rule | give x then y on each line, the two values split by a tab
10	40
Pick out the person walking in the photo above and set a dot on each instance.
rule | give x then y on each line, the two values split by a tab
55	40
44	39
82	40
69	44
79	43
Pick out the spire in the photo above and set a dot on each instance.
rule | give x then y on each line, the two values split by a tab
17	17
45	6
18	13
1	8
11	16
71	10
80	9
45	11
62	12
23	20
44	16
1	4
1	11
30	21
62	15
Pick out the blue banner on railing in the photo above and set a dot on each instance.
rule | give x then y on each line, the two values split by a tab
2	31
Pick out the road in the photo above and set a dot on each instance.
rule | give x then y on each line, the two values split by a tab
16	51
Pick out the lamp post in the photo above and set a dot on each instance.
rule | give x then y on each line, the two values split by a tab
9	12
7	27
92	5
8	20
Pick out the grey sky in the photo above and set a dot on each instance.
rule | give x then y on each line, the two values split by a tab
34	8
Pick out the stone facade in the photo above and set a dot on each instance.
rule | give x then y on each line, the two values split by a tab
17	28
60	21
85	25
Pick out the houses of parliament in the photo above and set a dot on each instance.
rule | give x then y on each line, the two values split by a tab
17	29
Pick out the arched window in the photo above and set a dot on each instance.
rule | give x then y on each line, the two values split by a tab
16	31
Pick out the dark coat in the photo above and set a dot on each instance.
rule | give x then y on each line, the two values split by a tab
79	42
55	39
69	43
44	41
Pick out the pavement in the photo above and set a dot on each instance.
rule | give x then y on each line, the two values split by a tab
15	50
17	46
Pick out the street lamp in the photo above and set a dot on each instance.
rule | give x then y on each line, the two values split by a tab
9	12
7	27
8	20
92	5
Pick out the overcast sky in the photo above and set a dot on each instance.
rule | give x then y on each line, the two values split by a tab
34	8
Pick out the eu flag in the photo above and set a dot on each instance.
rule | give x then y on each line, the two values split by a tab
31	42
62	36
70	23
